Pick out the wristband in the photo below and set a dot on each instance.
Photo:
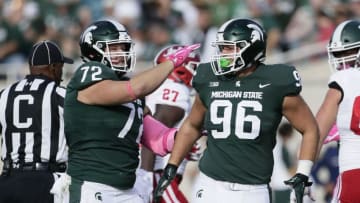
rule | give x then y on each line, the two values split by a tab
304	167
130	90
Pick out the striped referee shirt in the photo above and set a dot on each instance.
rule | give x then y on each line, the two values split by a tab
31	121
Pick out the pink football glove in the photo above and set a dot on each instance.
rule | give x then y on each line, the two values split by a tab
333	135
180	56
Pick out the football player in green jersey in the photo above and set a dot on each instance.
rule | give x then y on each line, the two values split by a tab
241	103
104	115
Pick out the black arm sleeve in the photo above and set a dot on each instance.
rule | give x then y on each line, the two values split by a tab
335	85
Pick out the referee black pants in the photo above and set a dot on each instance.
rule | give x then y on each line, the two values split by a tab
26	187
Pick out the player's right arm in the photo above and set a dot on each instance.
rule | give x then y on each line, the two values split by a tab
300	116
108	92
326	116
189	132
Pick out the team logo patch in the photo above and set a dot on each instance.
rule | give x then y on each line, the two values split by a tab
98	196
213	84
199	193
264	85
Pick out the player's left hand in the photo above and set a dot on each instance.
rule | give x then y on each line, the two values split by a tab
165	180
301	186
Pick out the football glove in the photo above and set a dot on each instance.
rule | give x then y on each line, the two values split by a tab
165	180
144	184
180	56
307	192
298	183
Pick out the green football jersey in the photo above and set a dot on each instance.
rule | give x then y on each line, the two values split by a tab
242	119
103	140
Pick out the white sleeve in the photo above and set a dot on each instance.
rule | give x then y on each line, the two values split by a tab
340	77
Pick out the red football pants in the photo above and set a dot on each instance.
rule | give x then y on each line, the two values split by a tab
347	187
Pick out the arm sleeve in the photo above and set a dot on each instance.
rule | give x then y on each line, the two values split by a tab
157	137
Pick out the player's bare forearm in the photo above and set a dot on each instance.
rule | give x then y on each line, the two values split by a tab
189	132
110	92
146	82
309	144
184	141
326	116
325	121
310	139
147	159
300	116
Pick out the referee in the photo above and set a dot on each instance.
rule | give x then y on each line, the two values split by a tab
32	129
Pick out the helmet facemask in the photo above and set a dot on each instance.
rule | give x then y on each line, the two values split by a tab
223	63
120	60
240	43
344	58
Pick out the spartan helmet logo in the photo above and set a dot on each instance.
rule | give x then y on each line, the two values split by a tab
256	34
87	36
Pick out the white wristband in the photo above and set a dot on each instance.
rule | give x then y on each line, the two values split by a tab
304	167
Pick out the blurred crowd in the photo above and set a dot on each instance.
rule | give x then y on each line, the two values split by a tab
156	23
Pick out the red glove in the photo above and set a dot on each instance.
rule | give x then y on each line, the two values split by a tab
180	56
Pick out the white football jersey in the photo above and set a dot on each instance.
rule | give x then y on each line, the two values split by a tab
348	118
173	94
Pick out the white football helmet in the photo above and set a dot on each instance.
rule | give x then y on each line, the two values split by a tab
343	48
